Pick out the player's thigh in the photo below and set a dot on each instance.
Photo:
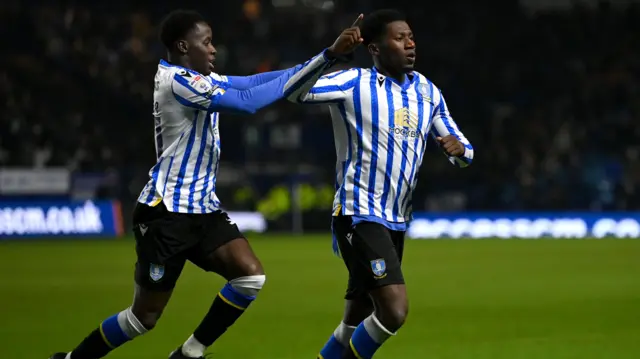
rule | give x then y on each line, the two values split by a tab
224	249
342	230
369	252
162	242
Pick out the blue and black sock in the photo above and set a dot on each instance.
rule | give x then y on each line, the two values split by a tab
368	337
338	342
112	333
228	306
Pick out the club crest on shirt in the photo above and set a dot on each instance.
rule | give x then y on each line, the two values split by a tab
423	90
379	268
156	272
405	124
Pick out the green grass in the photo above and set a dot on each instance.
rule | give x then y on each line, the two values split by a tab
489	299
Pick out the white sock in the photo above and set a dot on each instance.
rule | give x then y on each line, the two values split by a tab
192	348
68	356
343	333
376	330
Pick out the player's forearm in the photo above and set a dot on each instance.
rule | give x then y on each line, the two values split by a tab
445	126
247	82
466	158
291	83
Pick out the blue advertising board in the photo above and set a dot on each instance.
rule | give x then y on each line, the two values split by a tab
525	225
60	218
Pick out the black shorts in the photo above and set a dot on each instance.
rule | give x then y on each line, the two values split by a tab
372	254
166	240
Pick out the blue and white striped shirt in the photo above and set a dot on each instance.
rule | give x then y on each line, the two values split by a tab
187	140
381	129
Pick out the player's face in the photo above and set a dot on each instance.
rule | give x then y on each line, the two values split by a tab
201	52
397	48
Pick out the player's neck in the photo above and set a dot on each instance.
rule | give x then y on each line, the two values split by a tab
398	76
181	61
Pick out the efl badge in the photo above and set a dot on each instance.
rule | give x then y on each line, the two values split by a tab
156	272
378	266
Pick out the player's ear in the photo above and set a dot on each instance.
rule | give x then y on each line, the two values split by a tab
182	46
373	49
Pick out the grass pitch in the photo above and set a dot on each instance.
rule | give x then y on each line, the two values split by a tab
482	299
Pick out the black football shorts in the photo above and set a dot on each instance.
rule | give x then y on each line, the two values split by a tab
166	240
372	254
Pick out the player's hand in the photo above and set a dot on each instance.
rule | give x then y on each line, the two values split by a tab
451	145
348	40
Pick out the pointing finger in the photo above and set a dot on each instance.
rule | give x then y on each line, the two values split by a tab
358	20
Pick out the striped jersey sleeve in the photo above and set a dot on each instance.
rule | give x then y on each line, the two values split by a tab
444	125
195	91
332	88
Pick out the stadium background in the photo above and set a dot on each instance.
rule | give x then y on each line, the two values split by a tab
546	90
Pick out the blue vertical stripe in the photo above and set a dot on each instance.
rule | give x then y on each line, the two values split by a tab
208	169
217	149
345	167
357	110
419	134
154	181
375	128
390	148
196	171
159	142
185	162
166	177
403	162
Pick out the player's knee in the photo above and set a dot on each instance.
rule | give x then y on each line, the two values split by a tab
254	268
249	285
147	319
393	314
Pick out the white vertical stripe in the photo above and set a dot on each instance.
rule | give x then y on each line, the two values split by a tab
397	158
367	138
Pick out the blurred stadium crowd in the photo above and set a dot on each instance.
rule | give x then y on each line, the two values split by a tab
550	100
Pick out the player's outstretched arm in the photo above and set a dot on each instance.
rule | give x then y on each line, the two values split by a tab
196	91
290	84
449	137
247	82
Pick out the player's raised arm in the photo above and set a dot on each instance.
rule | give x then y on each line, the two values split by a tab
337	86
449	137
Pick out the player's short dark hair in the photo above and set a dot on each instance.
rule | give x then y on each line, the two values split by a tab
176	25
374	25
